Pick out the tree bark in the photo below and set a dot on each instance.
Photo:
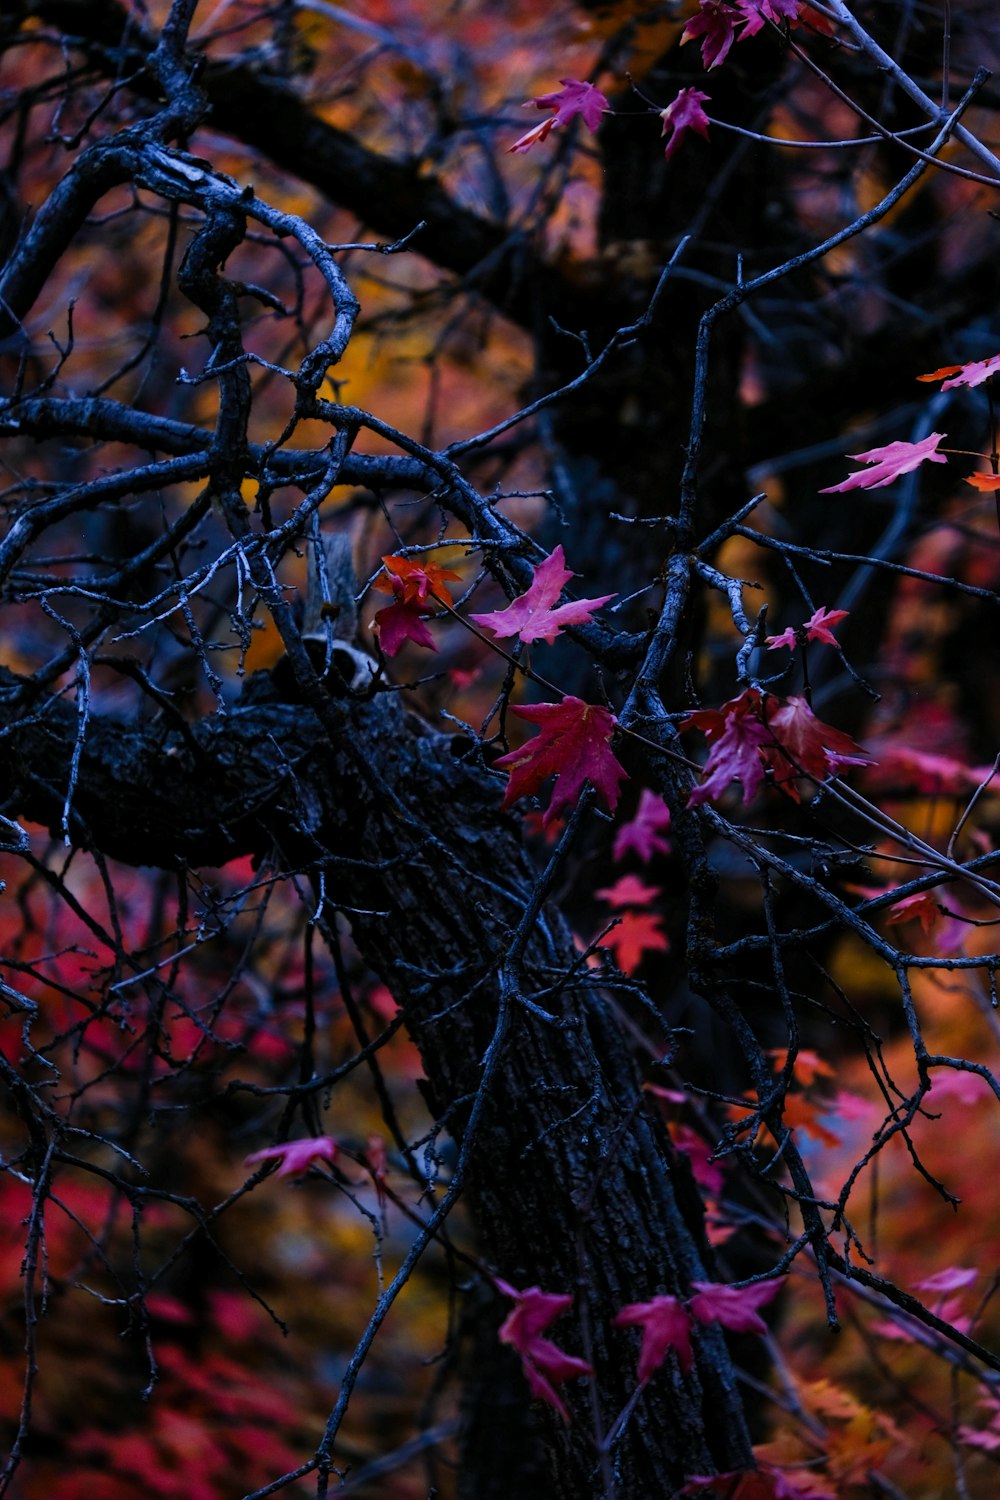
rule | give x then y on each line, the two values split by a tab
572	1182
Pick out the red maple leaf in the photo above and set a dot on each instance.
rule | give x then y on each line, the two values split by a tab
629	891
734	1307
816	628
574	745
716	23
889	463
545	1364
636	933
398	623
737	734
642	834
532	616
684	114
298	1156
805	745
414	582
708	1174
414	586
757	12
574	98
665	1325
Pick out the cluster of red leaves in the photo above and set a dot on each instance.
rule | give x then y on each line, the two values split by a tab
415	588
755	734
666	1324
720	24
817	628
637	930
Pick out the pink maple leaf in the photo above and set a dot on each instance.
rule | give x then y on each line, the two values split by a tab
889	463
629	891
708	1174
545	1364
736	733
532	616
952	1279
684	114
665	1325
298	1156
757	12
816	628
734	1307
716	24
574	98
574	745
642	834
637	933
974	373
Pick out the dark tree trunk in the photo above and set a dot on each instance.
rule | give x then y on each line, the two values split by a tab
572	1181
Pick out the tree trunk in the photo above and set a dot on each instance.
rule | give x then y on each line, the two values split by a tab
571	1180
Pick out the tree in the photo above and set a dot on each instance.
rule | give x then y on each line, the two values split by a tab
288	293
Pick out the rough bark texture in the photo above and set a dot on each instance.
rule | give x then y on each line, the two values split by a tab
571	1180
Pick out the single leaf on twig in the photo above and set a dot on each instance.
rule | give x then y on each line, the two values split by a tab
545	1364
684	114
533	615
889	463
574	745
574	98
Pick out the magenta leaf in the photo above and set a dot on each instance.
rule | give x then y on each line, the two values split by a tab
574	745
734	1307
817	628
684	114
716	24
665	1325
737	734
574	98
545	1364
642	834
532	616
974	373
629	891
401	622
298	1156
889	463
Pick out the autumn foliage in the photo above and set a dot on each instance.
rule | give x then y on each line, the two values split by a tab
499	750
